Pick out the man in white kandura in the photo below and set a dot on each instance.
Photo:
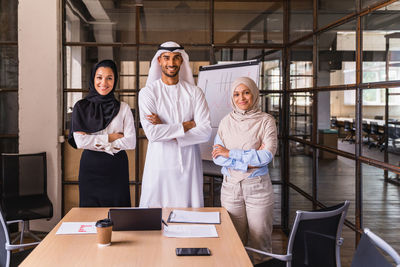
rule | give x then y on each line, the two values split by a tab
175	118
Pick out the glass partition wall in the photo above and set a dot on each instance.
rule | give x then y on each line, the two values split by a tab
8	77
329	75
352	149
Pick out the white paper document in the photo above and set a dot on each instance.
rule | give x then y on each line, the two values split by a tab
190	231
77	228
184	216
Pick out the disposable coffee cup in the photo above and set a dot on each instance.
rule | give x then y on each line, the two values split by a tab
104	230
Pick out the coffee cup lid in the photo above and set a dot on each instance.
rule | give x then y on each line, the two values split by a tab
104	223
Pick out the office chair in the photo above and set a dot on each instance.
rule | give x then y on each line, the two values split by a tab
334	123
367	253
348	127
393	134
7	257
24	190
314	240
397	132
367	131
376	134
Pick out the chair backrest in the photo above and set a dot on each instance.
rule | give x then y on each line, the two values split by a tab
392	131
316	236
367	253
347	125
334	121
24	174
374	127
4	239
397	131
365	127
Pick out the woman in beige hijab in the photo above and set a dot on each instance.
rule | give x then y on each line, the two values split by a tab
244	145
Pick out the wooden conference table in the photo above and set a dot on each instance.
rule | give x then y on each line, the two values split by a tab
136	248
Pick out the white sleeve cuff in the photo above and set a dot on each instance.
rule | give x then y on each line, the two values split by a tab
102	144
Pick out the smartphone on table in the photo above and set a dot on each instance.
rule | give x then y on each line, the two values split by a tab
192	252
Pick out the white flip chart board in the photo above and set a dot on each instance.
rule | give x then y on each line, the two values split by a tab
215	81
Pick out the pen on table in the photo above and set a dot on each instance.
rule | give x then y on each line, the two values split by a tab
162	220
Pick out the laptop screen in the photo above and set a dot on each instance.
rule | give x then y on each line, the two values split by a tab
133	219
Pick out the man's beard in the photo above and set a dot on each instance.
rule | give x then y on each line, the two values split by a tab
170	75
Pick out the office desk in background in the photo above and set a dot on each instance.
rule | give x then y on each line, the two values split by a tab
343	119
136	248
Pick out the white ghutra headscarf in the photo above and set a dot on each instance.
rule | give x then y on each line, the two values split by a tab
185	72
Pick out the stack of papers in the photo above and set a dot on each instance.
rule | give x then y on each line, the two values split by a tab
190	231
183	216
70	228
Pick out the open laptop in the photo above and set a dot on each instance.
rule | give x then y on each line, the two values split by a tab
133	219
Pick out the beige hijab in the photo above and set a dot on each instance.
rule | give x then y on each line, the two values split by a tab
254	111
247	129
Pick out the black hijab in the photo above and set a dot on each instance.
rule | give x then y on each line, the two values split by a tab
95	112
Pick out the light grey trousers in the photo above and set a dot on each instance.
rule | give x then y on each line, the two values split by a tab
250	204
